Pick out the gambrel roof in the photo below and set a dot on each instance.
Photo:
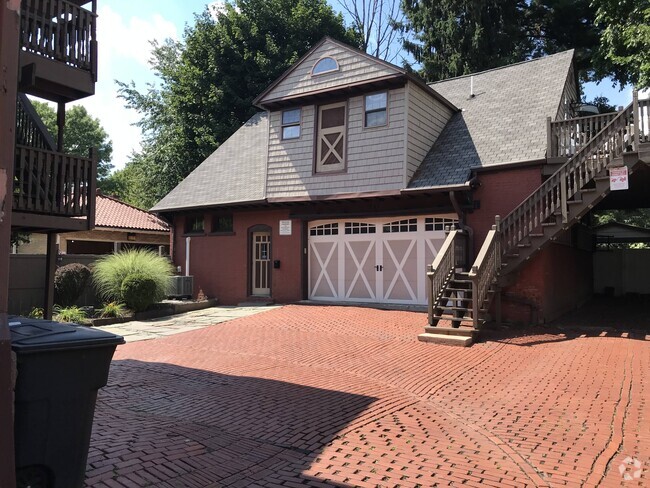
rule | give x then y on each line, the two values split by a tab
505	121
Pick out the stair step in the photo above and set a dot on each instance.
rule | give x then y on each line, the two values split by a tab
461	331
457	299
450	288
524	244
461	281
574	202
588	190
448	340
457	309
536	235
549	224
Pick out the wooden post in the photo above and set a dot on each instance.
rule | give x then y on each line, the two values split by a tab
9	41
430	293
475	304
60	125
563	199
635	121
50	269
92	188
549	140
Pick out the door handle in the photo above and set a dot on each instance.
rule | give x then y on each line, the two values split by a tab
379	267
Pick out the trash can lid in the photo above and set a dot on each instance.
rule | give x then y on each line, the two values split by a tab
35	335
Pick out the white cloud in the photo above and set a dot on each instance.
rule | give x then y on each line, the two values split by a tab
124	52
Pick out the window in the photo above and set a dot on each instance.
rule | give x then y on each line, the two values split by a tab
194	224
436	223
325	65
330	147
375	109
406	225
325	230
291	124
222	224
359	228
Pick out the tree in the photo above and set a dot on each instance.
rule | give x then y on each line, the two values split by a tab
376	23
209	79
81	132
624	52
458	37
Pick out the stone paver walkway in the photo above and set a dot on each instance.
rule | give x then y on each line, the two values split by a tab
140	330
340	396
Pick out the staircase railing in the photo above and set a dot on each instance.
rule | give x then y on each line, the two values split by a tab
452	255
484	272
62	31
643	112
30	130
618	136
567	136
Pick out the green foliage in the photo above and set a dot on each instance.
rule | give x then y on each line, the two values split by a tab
110	272
36	313
82	131
73	315
624	52
639	217
208	81
457	37
69	283
112	310
138	291
19	238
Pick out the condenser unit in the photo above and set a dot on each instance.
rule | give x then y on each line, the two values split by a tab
182	286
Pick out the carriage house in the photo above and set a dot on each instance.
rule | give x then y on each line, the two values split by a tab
346	183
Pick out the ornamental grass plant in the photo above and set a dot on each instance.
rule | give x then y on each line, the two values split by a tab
112	271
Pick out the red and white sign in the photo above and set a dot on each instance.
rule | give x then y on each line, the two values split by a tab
618	178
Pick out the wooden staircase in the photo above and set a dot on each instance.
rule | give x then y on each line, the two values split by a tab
557	204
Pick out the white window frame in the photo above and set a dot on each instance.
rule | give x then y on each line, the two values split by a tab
313	69
366	112
291	124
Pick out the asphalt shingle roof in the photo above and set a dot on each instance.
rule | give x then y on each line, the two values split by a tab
504	122
235	172
113	213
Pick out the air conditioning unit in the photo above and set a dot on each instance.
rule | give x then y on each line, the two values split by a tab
182	286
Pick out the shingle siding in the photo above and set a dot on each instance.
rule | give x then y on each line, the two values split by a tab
374	157
427	118
353	67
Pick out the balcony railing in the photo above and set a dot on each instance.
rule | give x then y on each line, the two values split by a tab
51	183
566	137
62	31
30	130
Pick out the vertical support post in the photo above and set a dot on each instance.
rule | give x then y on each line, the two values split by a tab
636	119
92	188
60	125
50	270
430	293
475	304
9	41
550	153
563	198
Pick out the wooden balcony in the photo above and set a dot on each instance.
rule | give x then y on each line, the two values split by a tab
51	187
58	58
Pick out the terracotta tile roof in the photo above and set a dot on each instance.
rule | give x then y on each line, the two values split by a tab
111	212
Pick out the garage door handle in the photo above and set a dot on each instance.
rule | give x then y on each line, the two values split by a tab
379	267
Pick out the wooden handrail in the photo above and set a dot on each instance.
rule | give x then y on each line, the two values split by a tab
30	130
557	190
567	136
60	30
484	271
450	256
52	183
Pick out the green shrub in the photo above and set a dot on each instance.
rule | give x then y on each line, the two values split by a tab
112	310
73	315
36	313
69	283
110	272
138	291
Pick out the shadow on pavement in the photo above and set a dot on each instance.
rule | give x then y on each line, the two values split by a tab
158	424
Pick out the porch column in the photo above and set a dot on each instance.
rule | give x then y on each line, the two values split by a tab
9	36
60	125
50	269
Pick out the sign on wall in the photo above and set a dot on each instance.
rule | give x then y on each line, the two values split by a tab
618	178
285	227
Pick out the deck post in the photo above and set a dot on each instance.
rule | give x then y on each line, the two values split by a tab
563	198
50	270
430	293
550	153
635	120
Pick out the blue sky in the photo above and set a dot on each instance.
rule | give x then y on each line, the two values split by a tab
125	28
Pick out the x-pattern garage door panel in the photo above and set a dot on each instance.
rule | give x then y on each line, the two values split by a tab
373	260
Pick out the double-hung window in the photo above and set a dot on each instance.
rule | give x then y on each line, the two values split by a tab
291	124
375	109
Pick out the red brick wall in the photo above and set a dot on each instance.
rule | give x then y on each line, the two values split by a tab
220	264
499	193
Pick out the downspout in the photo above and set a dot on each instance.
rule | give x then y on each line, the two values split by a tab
462	225
187	255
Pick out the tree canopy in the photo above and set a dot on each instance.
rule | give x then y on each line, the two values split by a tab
209	79
82	131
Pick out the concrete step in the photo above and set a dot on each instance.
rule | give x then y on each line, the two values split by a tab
448	340
459	331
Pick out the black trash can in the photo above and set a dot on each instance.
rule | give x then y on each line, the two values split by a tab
60	369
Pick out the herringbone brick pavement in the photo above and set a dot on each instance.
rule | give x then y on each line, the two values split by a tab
344	396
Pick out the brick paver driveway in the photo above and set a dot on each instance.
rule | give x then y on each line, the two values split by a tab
337	396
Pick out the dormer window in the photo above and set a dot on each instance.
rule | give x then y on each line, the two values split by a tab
325	65
291	124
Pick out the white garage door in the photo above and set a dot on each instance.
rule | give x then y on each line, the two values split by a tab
374	260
